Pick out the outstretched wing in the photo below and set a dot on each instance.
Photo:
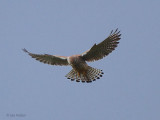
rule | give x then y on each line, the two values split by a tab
49	59
104	48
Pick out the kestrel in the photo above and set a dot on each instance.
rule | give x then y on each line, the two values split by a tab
80	69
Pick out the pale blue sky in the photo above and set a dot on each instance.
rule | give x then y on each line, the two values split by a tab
130	87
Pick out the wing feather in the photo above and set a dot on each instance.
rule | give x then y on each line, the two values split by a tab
49	59
98	51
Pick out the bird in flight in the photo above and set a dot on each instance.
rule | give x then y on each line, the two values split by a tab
81	71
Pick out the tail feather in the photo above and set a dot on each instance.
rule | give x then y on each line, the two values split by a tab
91	75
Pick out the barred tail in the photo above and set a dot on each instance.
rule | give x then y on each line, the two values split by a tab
91	75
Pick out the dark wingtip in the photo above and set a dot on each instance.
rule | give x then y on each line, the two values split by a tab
115	32
25	50
111	32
